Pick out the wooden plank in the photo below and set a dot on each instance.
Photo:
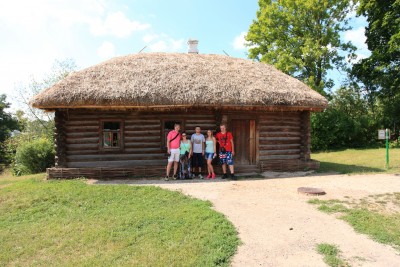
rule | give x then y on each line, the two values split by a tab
81	146
142	127
142	144
280	138
113	157
252	150
82	122
120	164
280	152
279	146
82	135
279	142
279	157
280	134
142	139
283	128
82	128
90	140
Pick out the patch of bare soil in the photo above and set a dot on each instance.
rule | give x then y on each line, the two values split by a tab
279	228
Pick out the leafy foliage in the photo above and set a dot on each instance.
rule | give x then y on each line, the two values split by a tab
302	38
33	157
347	123
8	123
379	73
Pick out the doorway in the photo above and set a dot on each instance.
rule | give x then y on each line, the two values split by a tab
244	138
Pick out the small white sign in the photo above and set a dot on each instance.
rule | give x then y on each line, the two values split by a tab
381	134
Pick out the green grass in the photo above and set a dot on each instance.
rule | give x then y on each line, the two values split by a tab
331	255
358	160
369	216
67	223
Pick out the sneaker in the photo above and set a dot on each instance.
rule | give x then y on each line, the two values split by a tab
166	178
175	176
201	176
224	176
233	177
213	176
208	176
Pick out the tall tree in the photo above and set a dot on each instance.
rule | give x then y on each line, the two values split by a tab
380	72
7	124
302	38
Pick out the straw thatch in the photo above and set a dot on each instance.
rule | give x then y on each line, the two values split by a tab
171	79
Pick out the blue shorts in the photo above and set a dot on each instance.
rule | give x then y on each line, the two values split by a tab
226	158
209	156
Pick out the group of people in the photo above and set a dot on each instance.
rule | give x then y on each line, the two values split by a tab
199	148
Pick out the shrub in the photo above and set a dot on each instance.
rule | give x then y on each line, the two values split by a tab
33	157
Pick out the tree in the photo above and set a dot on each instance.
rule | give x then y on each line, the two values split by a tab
302	38
380	71
7	124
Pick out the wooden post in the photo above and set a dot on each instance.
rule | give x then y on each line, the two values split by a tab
60	118
305	149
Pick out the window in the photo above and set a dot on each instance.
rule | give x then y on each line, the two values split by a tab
111	134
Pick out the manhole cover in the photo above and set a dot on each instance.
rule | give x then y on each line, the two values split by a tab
310	191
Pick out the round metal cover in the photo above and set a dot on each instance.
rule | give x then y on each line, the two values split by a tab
310	191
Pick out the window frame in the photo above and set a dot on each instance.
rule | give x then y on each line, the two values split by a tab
121	134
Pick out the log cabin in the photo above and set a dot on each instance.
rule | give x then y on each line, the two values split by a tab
111	119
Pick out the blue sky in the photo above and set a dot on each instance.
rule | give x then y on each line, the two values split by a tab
36	33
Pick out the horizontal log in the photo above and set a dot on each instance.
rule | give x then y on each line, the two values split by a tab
81	128
278	146
142	133
116	164
82	122
82	146
142	139
112	157
206	121
283	128
89	140
143	150
142	121
280	152
82	135
82	152
143	127
280	123
279	134
141	144
286	138
279	142
279	157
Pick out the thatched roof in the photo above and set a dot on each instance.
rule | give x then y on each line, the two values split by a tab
154	80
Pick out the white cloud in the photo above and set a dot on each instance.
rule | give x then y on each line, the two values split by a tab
117	24
357	37
239	41
106	50
150	37
163	43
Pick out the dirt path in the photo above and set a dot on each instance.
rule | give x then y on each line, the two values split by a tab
264	211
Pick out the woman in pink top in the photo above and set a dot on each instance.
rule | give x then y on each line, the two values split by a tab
173	143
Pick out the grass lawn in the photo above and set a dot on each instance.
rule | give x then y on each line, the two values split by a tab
67	223
358	160
377	216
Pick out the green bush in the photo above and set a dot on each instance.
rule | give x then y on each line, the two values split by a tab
33	157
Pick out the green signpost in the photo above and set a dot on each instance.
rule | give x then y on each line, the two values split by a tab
387	149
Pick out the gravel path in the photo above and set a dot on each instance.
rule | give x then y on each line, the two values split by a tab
265	211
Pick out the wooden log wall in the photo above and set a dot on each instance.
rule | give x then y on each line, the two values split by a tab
60	118
142	137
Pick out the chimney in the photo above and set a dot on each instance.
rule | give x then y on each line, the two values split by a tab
192	49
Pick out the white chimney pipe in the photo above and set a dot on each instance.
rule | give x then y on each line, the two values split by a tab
192	49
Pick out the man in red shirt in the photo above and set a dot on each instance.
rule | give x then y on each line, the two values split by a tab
226	151
173	144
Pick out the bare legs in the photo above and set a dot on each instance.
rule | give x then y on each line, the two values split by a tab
231	168
169	166
210	167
